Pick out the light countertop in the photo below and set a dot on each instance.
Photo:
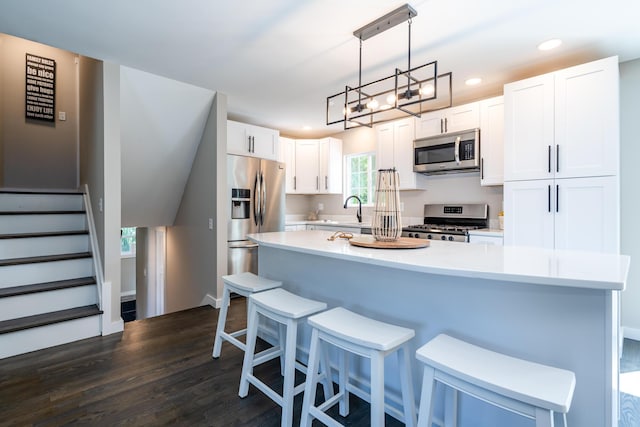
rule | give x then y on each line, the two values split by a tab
517	264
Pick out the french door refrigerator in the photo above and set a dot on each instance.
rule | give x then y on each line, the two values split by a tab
256	191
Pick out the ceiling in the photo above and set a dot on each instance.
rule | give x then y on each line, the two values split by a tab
278	60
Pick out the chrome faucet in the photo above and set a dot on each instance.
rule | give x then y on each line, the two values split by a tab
359	211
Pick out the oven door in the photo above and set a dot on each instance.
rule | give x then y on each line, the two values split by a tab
446	153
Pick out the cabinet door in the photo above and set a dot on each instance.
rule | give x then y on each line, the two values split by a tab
529	213
403	155
330	165
492	141
485	240
307	177
429	124
237	139
587	119
529	128
586	216
288	146
384	154
462	117
264	142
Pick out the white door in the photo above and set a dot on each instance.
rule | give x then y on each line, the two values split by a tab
330	165
237	139
429	124
384	157
492	141
288	145
403	153
529	129
586	214
307	178
529	213
587	119
264	142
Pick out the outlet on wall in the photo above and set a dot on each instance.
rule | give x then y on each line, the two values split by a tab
320	206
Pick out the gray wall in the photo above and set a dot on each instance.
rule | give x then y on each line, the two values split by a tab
128	275
192	248
37	154
629	195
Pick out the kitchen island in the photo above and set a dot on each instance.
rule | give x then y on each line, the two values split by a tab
554	307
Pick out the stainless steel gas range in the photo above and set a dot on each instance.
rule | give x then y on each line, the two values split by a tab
450	222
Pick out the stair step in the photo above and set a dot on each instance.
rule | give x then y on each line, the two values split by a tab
47	258
38	320
45	287
44	234
36	192
64	212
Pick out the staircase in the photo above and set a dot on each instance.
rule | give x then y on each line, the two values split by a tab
48	292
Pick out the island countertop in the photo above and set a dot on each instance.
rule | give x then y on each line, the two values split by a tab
514	264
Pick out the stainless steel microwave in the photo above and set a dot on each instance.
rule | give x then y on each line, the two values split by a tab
452	152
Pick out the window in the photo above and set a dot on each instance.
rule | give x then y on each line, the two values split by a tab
128	241
360	174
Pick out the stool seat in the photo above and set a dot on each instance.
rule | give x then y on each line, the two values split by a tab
286	304
249	283
362	336
244	284
361	330
528	388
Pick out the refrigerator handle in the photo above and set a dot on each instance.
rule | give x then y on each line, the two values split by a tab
256	199
263	199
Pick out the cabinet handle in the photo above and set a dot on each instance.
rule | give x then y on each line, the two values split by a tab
549	159
318	183
557	198
441	125
557	158
481	168
446	125
326	182
253	144
249	140
549	198
294	183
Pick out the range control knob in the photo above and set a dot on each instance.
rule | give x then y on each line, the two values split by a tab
429	236
443	238
451	238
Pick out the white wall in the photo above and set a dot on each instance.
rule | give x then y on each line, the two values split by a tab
629	195
127	276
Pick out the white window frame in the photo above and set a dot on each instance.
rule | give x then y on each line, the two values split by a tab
348	190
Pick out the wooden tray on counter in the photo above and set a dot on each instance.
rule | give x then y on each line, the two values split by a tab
401	243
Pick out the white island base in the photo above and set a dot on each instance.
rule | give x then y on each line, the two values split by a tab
554	308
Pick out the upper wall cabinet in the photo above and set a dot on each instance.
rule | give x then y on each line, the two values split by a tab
492	141
250	140
314	166
395	150
452	119
563	124
287	155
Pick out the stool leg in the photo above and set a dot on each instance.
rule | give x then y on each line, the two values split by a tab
311	380
282	342
408	400
544	418
222	320
343	379
327	384
247	364
426	399
289	373
450	406
377	389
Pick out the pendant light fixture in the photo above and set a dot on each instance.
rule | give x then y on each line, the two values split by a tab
411	92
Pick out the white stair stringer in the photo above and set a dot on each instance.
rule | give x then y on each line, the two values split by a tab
24	341
48	286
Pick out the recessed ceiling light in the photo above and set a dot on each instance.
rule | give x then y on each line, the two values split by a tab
549	44
473	81
306	127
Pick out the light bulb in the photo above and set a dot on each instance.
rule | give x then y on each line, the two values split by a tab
426	90
373	104
391	99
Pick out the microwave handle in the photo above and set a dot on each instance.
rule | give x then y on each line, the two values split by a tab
457	150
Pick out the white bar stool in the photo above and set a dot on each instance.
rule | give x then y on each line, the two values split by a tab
288	310
243	284
365	337
526	388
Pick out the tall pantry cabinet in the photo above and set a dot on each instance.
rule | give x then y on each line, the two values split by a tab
561	152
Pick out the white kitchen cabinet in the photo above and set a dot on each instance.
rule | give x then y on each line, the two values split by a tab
317	167
395	150
571	213
447	120
563	124
492	141
288	156
250	140
484	239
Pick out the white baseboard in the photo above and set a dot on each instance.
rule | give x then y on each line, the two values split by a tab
112	327
631	333
210	300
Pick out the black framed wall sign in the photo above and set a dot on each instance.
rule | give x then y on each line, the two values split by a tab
40	93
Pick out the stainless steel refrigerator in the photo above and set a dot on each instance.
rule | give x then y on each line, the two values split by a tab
256	192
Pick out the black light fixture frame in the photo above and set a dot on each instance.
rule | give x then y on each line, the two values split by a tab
355	113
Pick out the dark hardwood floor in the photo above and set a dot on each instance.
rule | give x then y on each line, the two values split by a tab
159	371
